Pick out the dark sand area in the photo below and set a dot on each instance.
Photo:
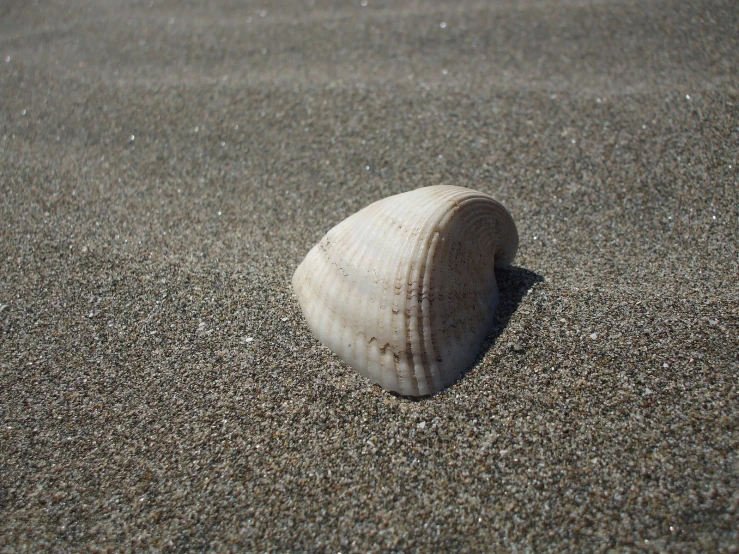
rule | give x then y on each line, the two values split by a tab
164	167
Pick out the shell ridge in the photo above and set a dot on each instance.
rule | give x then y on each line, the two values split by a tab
477	221
380	212
410	356
449	327
401	353
311	301
414	331
336	337
358	258
381	374
428	353
347	262
415	322
431	346
331	322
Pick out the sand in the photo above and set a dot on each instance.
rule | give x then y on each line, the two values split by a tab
164	167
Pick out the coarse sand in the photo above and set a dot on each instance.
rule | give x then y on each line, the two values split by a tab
164	167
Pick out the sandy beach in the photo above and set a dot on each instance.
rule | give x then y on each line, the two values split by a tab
165	166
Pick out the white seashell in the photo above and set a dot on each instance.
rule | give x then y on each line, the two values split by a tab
404	290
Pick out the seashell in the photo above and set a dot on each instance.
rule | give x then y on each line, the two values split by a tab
404	290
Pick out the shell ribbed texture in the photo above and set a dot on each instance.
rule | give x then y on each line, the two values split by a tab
404	291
